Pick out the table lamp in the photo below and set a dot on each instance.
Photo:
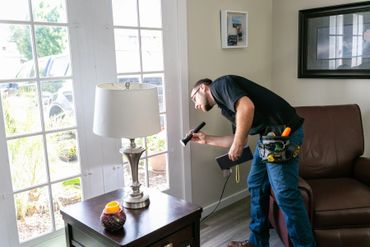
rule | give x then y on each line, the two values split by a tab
128	110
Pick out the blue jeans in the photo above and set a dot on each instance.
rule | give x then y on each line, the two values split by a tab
283	179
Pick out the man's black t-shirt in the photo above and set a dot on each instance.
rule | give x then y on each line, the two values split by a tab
269	108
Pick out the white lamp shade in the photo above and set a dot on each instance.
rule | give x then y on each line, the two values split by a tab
126	113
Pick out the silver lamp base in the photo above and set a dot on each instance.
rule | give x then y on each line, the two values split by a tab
136	199
136	202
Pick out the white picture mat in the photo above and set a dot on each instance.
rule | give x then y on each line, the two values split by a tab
234	29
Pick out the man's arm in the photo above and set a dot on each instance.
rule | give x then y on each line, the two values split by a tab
244	118
219	141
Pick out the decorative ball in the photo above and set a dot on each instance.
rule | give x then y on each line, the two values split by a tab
113	217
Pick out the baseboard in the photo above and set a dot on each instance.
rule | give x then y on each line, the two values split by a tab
53	239
225	202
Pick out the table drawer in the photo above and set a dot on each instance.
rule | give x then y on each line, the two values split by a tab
83	239
180	238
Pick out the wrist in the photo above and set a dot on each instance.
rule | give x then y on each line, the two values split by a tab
238	143
206	139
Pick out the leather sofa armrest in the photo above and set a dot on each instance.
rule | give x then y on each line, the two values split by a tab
307	195
361	170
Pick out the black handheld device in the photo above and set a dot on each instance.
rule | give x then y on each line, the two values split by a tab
225	163
188	137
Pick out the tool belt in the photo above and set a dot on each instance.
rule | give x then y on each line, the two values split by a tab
277	149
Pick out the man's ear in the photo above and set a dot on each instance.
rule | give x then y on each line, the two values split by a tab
203	87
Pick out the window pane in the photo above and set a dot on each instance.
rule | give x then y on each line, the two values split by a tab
158	143
54	66
152	52
124	13
20	109
150	13
58	105
16	50
158	172
49	11
52	44
26	70
127	50
65	193
27	162
33	213
8	88
157	80
63	154
129	78
163	120
14	10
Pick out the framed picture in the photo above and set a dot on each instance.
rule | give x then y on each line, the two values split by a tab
334	42
234	29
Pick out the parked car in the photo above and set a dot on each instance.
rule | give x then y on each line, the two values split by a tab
49	66
56	96
62	102
8	87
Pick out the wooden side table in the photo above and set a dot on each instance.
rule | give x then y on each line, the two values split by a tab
168	221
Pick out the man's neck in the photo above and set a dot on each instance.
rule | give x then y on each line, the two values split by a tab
211	99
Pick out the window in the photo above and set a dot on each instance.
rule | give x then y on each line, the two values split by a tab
138	37
38	113
345	41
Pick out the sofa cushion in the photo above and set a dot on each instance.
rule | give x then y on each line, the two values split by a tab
340	202
333	139
353	237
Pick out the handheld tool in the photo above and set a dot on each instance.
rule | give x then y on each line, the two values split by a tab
188	137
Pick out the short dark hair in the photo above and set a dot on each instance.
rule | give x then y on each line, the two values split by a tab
204	81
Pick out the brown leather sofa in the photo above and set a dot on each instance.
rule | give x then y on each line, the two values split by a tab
335	179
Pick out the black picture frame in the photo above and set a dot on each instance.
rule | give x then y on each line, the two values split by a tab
334	42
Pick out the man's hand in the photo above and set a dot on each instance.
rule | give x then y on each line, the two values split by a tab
235	151
199	137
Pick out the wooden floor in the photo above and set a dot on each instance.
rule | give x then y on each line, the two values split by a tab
230	223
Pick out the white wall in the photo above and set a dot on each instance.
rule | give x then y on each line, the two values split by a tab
310	91
271	60
206	58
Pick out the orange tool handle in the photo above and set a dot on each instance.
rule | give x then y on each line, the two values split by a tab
286	131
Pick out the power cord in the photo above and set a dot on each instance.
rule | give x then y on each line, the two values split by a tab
219	200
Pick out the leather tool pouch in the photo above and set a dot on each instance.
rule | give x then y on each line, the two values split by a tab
277	149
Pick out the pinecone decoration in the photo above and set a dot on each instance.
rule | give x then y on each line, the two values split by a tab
113	217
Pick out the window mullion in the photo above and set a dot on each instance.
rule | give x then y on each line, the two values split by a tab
51	206
41	132
139	40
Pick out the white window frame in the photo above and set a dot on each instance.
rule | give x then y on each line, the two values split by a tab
10	231
174	19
